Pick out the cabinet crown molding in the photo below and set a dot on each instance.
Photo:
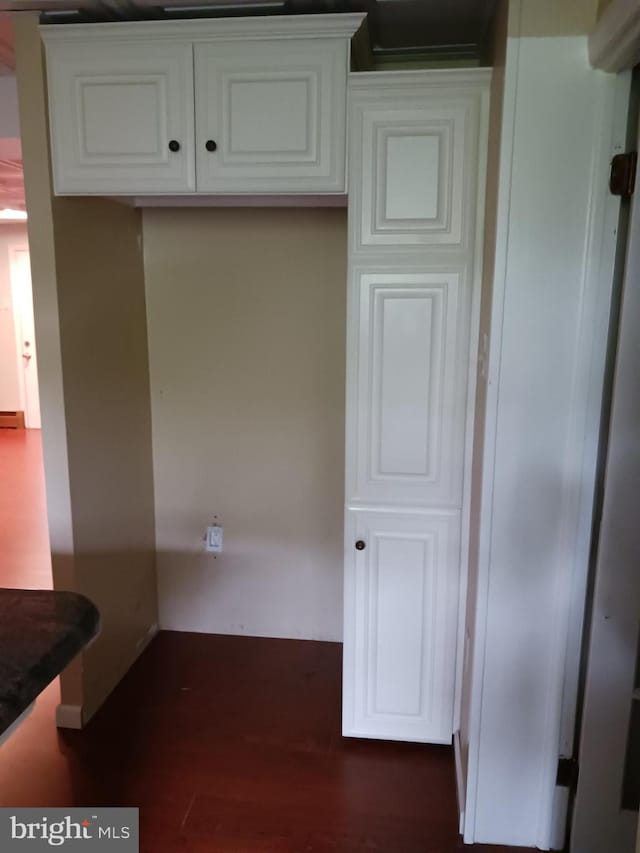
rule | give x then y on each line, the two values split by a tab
415	80
212	29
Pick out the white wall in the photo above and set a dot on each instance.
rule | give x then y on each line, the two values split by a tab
11	236
545	362
246	317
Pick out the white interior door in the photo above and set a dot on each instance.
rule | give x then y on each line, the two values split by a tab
606	808
25	337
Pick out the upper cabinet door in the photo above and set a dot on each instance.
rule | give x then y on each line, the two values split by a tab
121	116
271	116
415	162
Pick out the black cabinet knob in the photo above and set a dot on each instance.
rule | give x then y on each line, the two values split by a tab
360	545
210	145
174	145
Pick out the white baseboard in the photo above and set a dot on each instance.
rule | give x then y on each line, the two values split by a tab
560	817
72	716
69	716
143	642
460	781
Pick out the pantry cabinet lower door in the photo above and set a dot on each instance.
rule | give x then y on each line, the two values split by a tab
401	601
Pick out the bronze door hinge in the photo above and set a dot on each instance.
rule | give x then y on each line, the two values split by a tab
567	776
623	174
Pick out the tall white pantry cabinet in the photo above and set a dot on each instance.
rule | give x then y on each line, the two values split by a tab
417	159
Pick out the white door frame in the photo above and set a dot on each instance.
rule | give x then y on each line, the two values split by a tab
511	795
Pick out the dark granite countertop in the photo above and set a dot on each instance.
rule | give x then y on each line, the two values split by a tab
40	633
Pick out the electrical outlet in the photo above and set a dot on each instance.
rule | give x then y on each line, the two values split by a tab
213	539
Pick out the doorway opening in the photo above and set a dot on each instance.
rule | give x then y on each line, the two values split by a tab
24	536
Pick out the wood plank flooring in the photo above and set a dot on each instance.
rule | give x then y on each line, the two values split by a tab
233	745
24	538
226	744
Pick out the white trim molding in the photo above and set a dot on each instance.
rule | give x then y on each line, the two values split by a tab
69	717
74	716
614	45
146	638
461	793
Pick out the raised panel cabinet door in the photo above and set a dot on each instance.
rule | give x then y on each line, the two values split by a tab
271	116
401	600
122	116
413	169
408	352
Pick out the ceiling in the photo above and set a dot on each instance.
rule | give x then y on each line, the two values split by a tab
407	31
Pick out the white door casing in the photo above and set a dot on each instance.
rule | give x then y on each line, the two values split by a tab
544	385
27	360
416	191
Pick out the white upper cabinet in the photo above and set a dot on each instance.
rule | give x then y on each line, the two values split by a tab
235	106
271	116
121	115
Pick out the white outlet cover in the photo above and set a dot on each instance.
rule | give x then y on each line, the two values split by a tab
213	540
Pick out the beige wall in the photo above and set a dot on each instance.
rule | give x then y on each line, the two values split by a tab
246	316
88	285
602	5
106	378
556	17
9	124
11	236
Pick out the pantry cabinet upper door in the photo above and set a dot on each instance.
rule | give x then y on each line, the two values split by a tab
271	116
121	116
415	163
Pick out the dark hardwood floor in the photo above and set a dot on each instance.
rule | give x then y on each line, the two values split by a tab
233	745
226	744
24	537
